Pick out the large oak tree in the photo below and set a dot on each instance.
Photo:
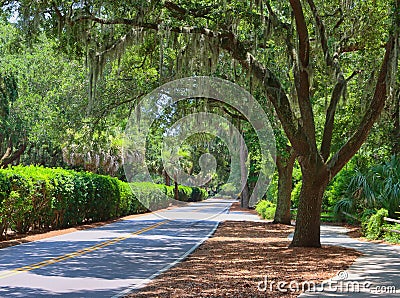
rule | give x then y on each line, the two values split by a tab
314	37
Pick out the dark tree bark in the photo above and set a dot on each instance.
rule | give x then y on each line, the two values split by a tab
12	155
285	172
167	179
244	195
314	181
396	126
176	190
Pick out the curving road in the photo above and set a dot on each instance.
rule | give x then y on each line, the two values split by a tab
111	260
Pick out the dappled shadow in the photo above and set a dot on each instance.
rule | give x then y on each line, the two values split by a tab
239	256
379	265
101	272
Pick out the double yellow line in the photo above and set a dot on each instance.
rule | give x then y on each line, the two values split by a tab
78	252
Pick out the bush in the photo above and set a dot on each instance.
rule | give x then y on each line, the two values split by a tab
128	203
335	191
374	225
5	189
198	194
22	202
150	194
38	198
266	209
375	188
184	193
296	194
365	216
230	190
187	193
391	236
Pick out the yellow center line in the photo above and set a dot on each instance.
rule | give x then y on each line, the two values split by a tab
78	252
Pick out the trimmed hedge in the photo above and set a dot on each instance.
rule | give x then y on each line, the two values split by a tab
38	198
266	209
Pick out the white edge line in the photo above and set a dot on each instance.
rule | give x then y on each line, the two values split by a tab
180	259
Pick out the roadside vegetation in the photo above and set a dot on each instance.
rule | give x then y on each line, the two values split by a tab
34	198
363	194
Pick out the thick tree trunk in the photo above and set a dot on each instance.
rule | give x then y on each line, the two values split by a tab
167	179
307	232
9	157
176	189
245	197
285	171
396	126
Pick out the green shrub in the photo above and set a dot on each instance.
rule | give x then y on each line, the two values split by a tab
184	193
128	203
187	193
335	191
376	187
391	236
150	194
5	189
42	198
22	203
374	226
228	189
37	198
266	209
198	194
365	216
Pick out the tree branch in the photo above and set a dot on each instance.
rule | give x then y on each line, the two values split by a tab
330	114
322	32
228	42
116	21
330	117
291	51
12	156
112	106
275	92
336	163
302	80
197	13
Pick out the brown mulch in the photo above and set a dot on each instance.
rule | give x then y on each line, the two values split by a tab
236	207
241	255
354	232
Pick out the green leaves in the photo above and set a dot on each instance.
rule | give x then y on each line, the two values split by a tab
266	209
374	188
42	198
374	225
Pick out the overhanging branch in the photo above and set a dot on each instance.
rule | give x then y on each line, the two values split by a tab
336	163
302	80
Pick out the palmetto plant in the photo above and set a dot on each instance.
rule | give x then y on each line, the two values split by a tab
378	188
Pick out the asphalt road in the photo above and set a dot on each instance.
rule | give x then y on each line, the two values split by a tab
111	260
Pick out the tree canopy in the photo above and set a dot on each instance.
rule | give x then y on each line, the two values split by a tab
327	69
